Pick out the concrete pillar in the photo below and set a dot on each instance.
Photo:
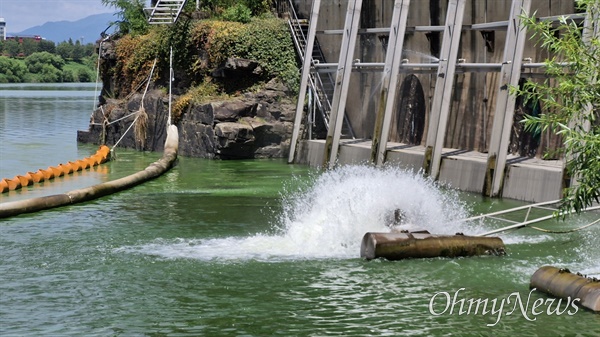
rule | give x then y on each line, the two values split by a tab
306	64
393	58
440	107
510	73
342	81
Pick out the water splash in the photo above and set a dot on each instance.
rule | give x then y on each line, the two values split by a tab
328	217
422	56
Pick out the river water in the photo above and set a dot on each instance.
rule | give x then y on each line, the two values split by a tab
251	248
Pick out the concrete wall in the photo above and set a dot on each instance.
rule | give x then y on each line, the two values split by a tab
527	179
474	94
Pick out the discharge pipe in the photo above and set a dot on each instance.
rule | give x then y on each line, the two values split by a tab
397	246
563	284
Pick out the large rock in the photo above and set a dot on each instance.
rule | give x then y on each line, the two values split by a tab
237	67
255	125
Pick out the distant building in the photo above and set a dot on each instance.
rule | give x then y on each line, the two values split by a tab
2	29
21	38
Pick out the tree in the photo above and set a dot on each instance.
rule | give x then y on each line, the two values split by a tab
84	75
37	61
50	74
12	48
571	96
29	46
133	20
78	52
46	45
11	71
64	50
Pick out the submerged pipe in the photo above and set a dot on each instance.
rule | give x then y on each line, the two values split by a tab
398	246
93	192
563	284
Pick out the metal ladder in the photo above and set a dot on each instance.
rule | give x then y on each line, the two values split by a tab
165	11
322	85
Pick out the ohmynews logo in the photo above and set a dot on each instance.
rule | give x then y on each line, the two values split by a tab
443	303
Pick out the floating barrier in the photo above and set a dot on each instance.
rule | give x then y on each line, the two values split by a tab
30	178
93	192
563	284
398	246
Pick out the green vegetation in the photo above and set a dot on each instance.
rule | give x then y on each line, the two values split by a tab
266	41
133	21
43	61
571	97
200	47
218	8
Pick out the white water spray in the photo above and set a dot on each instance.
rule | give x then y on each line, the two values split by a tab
328	218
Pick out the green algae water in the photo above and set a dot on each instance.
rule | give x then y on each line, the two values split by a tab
252	248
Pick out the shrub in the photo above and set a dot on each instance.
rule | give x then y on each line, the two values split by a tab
237	13
36	61
266	41
11	71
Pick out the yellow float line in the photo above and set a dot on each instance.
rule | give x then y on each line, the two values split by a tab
30	178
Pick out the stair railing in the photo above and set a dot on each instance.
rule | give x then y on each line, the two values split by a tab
316	80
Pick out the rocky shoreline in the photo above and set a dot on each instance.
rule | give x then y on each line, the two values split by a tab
253	125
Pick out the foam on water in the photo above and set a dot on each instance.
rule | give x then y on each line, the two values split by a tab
328	217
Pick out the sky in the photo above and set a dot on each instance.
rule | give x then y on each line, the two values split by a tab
22	14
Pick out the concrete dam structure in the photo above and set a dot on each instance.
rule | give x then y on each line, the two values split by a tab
425	85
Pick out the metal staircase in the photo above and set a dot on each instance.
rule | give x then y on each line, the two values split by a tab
321	84
165	11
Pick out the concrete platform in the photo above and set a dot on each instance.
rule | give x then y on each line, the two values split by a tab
526	179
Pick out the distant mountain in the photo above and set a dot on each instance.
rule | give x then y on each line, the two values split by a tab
88	29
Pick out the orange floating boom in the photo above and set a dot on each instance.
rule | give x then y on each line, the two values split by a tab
19	181
3	186
93	192
14	183
36	176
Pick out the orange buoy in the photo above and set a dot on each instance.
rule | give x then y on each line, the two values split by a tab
3	186
48	173
104	150
26	180
14	183
66	168
58	172
36	176
84	164
75	165
88	162
97	158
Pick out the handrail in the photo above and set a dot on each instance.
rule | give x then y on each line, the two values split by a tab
316	82
526	219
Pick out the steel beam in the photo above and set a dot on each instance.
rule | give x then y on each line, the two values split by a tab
440	108
306	64
393	59
505	103
342	81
